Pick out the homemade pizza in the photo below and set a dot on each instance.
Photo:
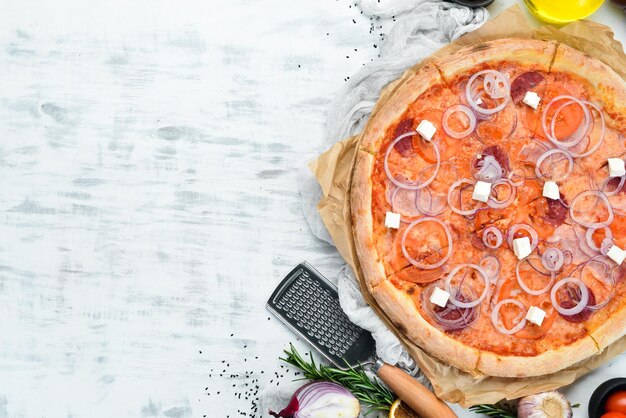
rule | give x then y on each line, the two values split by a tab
488	201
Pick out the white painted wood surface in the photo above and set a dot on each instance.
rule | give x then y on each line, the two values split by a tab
150	157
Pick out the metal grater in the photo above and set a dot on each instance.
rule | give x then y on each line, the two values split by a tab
308	303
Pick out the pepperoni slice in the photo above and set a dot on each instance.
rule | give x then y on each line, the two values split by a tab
523	83
557	211
405	145
581	316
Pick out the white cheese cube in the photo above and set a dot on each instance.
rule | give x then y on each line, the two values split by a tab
426	130
532	99
482	190
439	297
479	101
535	315
392	220
616	167
616	254
551	190
521	247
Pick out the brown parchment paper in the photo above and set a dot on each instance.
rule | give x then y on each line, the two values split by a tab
333	170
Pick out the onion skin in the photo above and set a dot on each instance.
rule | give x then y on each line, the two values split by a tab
545	405
321	400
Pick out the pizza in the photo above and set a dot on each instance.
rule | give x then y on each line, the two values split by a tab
488	200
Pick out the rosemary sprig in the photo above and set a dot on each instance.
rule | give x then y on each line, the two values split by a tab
494	411
371	392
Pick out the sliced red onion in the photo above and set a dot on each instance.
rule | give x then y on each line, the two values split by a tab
496	311
589	237
607	279
549	153
495	84
454	186
489	233
534	238
501	204
501	88
584	296
410	186
617	188
553	259
602	197
606	245
461	317
524	286
491	265
403	202
417	263
448	283
597	144
517	177
578	135
459	108
490	170
424	203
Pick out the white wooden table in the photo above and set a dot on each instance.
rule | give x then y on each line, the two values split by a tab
150	157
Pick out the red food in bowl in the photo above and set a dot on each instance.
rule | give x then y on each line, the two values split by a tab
616	402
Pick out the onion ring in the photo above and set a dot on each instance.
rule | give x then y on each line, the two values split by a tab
586	224
597	144
417	263
589	237
496	310
454	209
456	109
550	133
524	286
496	233
493	268
409	185
548	153
501	204
470	97
584	298
553	259
482	296
534	238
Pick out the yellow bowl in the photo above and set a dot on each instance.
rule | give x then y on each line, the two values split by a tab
562	11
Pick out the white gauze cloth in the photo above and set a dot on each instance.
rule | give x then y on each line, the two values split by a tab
421	28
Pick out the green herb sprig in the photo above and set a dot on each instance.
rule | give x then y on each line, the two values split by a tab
371	392
494	411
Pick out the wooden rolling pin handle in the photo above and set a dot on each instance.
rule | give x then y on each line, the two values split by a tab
413	393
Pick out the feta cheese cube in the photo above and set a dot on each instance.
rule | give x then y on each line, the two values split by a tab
426	130
479	101
616	167
616	254
551	190
521	247
482	190
439	297
535	315
532	99
392	220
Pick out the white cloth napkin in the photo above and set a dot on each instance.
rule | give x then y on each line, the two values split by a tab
421	27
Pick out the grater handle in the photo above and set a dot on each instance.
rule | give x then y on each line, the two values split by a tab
414	394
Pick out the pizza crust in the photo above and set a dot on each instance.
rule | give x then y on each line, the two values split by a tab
361	207
535	54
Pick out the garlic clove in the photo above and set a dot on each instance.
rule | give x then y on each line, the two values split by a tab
544	405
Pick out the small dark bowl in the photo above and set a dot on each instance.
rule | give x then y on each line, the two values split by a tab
474	3
599	396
